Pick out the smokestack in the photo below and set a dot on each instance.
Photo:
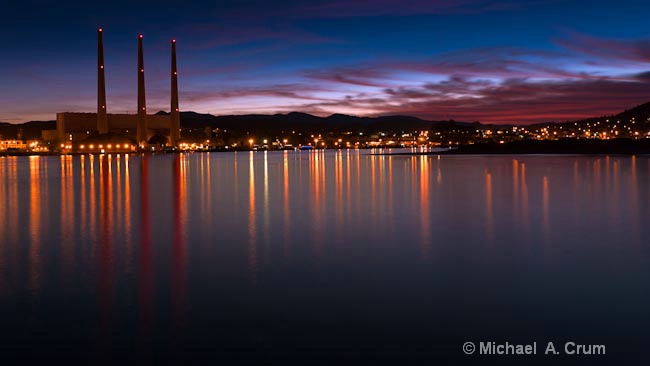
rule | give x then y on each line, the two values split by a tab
175	125
102	119
142	131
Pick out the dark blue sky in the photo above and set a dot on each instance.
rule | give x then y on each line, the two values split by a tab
489	60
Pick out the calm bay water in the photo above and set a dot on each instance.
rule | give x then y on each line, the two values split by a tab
327	257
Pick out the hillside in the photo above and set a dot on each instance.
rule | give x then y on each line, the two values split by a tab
313	124
30	130
639	113
336	123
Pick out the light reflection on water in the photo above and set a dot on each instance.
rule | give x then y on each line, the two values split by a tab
261	247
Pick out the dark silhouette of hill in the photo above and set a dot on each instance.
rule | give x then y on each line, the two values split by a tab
342	122
30	130
303	122
639	113
307	123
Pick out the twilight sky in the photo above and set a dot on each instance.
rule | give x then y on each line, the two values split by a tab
498	61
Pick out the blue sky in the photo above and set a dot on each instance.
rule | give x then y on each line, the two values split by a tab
495	61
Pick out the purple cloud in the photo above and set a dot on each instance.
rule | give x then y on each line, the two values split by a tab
607	48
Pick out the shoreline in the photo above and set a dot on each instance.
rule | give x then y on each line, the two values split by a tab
547	147
526	147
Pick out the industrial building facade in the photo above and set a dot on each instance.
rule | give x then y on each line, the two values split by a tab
72	129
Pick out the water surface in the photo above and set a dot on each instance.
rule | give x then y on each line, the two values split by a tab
325	257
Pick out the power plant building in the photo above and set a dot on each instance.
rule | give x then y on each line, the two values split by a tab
82	125
137	128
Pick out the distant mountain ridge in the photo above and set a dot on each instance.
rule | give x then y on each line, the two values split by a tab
305	122
641	113
313	124
30	130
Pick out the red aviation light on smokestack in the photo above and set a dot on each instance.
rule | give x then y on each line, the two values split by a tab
140	36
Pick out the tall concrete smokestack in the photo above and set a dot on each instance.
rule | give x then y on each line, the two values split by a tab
142	131
175	125
102	119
